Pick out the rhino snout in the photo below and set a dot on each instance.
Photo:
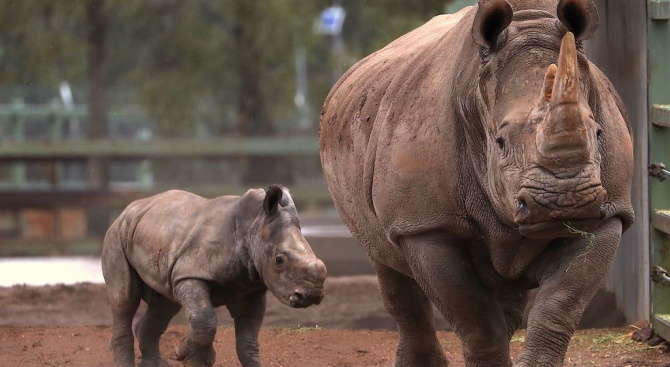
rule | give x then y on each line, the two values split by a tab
311	291
303	297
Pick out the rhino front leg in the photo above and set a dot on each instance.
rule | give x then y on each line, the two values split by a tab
413	313
445	272
248	315
196	349
565	291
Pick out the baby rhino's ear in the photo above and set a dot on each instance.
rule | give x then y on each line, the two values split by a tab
272	198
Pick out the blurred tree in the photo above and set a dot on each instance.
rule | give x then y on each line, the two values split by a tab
263	40
41	43
196	67
96	23
192	61
251	65
98	170
372	24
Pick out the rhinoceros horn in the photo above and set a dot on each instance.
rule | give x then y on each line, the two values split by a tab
566	83
562	139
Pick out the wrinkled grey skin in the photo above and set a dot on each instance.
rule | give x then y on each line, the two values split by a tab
464	161
177	249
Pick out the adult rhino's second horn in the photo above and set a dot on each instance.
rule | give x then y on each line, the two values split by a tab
562	139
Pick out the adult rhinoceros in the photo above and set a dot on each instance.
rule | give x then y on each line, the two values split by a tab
472	169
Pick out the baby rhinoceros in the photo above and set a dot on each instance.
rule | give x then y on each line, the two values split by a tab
177	249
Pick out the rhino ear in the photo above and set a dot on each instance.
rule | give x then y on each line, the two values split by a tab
493	17
272	198
579	16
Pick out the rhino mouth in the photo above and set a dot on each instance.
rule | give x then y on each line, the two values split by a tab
540	214
559	228
301	298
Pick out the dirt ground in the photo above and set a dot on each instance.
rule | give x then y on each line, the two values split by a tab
69	326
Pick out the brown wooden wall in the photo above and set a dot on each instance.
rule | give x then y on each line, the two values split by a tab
619	48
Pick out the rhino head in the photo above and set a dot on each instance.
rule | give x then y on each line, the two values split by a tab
286	262
545	132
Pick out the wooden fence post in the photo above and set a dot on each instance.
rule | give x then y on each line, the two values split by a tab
18	118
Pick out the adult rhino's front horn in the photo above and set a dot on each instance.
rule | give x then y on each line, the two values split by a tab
563	140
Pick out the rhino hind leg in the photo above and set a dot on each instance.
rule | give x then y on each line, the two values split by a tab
152	325
413	313
124	292
443	269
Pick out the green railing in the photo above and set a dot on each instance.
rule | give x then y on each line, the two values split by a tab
658	30
21	144
160	148
22	147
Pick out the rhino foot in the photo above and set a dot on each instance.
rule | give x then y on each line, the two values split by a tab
194	356
435	360
155	363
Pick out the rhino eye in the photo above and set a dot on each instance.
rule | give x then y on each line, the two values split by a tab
599	133
500	142
280	260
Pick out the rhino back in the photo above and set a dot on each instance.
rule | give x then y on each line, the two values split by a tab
391	119
177	235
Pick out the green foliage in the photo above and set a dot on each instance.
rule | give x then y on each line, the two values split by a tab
198	62
41	42
373	24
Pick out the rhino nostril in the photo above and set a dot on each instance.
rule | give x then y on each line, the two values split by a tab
298	295
522	211
603	210
521	205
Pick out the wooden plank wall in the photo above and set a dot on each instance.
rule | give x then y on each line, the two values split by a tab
619	48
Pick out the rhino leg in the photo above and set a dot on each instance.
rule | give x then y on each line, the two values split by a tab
196	349
513	302
152	325
124	292
445	272
412	311
248	315
565	291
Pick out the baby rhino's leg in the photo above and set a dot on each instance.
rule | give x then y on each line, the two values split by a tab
152	325
248	314
196	349
123	289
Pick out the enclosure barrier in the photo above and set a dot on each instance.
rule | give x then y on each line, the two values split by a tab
56	214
